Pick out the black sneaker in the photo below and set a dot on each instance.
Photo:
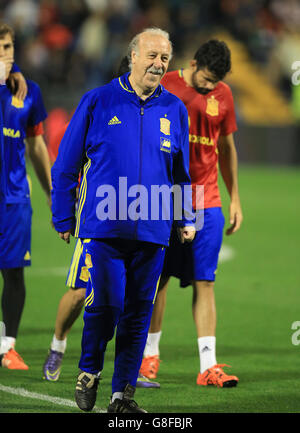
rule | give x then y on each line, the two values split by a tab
86	390
127	404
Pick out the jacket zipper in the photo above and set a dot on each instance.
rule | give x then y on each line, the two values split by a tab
141	152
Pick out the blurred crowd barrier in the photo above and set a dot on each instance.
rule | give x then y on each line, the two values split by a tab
71	46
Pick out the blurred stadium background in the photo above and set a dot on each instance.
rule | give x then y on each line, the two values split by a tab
71	46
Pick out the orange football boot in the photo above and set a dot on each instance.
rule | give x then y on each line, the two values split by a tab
216	376
13	361
150	366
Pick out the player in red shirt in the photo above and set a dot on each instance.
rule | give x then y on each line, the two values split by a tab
210	107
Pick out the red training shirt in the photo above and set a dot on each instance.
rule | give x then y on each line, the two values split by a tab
210	116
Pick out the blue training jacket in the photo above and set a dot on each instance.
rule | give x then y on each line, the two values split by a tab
2	173
18	116
125	149
15	68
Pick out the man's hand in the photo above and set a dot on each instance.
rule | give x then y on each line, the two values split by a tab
186	234
235	217
65	236
18	85
6	65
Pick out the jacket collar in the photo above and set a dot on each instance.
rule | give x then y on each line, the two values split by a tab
126	86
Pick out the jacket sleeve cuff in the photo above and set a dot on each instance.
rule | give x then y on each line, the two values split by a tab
65	225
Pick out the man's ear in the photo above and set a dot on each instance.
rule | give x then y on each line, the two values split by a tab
133	57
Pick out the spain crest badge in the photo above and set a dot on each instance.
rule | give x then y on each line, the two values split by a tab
165	125
18	103
88	261
84	275
212	107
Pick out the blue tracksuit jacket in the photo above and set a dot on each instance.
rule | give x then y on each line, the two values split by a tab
2	173
2	168
121	143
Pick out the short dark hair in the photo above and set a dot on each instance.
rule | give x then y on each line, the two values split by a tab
215	56
123	67
6	29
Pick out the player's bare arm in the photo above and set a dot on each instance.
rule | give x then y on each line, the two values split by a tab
17	81
39	156
18	85
228	163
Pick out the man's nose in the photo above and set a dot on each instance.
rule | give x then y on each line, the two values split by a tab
158	63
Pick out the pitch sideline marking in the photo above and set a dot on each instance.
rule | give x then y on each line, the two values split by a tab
46	272
226	253
21	392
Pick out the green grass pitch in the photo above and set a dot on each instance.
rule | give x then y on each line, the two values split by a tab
258	300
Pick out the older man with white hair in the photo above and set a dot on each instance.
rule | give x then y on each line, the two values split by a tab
130	130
